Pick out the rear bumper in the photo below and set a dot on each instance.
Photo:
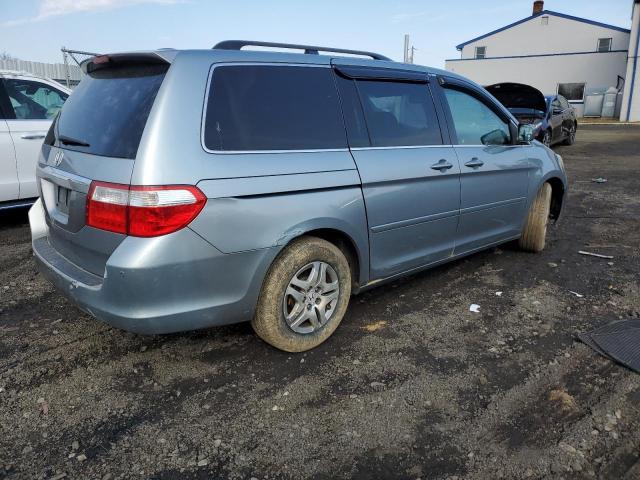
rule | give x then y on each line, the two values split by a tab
166	284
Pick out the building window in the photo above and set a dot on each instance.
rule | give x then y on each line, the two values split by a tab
604	44
544	20
572	91
481	52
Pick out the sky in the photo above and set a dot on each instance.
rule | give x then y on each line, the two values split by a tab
36	29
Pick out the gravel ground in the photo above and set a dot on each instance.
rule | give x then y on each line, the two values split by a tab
412	385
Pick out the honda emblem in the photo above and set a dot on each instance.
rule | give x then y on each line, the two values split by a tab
57	160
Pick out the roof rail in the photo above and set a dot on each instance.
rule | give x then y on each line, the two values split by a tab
308	49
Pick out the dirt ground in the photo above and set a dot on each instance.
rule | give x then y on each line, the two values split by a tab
412	385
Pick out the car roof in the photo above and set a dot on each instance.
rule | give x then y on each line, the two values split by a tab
19	73
322	59
224	55
22	73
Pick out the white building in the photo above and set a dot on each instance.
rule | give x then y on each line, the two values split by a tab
554	52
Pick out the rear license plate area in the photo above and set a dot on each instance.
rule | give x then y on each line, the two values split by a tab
62	199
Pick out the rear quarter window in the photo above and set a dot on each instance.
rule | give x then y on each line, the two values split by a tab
109	109
267	107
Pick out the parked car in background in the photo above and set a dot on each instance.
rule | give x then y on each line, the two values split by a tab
28	104
187	189
552	117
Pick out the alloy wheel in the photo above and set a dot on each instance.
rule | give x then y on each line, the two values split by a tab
311	297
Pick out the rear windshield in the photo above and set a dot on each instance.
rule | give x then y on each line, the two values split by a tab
108	110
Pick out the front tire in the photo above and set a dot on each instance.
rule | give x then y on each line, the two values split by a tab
304	296
571	137
546	139
535	230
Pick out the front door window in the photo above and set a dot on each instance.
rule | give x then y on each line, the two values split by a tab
474	122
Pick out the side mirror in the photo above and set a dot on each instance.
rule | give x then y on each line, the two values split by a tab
525	133
495	137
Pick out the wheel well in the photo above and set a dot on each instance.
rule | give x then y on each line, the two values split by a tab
346	245
557	194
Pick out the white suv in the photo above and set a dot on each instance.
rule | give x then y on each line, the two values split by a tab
28	104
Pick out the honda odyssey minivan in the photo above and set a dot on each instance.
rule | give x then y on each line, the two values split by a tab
186	189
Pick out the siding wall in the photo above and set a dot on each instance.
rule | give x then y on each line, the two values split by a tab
597	70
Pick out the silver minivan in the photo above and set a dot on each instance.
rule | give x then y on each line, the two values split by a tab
186	189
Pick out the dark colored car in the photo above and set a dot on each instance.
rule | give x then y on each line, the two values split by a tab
553	118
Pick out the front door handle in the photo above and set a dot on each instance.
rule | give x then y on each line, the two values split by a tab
442	165
32	136
475	162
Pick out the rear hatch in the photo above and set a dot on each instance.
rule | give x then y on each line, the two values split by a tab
525	102
95	138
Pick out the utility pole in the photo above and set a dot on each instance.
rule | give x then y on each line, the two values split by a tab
406	48
66	66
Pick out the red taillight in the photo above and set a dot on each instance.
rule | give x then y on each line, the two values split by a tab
107	206
142	211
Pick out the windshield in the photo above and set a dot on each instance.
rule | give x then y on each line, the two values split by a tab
108	110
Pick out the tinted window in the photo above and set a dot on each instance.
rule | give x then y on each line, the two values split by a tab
399	114
109	109
273	108
352	111
475	123
50	138
32	100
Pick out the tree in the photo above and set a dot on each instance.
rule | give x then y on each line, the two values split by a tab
6	56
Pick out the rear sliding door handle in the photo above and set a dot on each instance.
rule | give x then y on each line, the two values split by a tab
442	165
475	162
32	136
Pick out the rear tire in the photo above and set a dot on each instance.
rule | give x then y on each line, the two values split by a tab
292	291
535	230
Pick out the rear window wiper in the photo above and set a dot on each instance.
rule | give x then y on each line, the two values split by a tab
72	141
